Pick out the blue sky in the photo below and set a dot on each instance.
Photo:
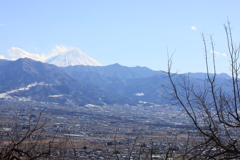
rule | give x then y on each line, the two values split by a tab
128	32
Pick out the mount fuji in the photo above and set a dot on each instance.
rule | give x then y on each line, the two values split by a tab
73	57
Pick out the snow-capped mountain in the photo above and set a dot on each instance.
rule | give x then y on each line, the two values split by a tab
73	57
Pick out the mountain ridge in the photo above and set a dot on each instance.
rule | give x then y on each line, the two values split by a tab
50	84
81	85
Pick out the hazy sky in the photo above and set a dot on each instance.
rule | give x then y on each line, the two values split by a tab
128	32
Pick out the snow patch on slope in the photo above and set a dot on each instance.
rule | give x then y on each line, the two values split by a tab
6	94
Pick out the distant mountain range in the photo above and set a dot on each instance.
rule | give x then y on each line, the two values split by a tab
32	80
29	80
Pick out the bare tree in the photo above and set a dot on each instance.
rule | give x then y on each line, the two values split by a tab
213	107
25	139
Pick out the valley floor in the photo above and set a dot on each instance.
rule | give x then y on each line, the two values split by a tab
105	132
